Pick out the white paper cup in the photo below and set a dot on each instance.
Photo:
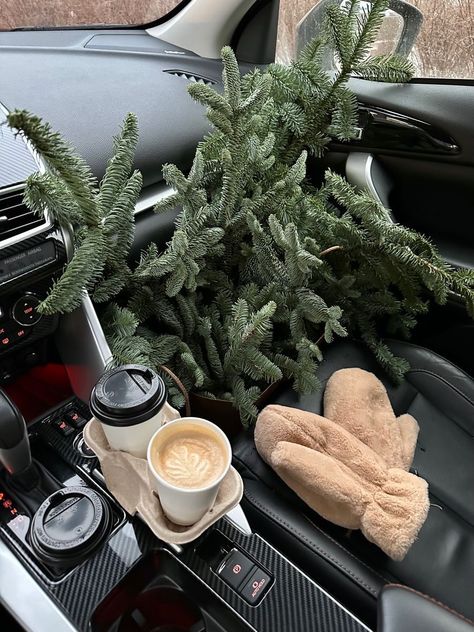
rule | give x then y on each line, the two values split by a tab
130	402
134	439
185	506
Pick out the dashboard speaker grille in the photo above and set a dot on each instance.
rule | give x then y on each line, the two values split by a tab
15	217
190	77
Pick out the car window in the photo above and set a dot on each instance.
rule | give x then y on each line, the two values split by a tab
444	46
68	13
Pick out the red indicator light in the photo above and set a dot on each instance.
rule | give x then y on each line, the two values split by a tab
28	310
2	331
20	333
2	495
63	425
13	511
5	341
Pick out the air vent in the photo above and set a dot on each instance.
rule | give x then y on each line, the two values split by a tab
190	77
15	217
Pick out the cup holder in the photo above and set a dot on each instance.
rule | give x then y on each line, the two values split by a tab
153	597
162	609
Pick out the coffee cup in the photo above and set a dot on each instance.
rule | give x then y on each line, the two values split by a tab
130	402
188	459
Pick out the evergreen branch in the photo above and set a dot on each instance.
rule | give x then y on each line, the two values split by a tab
231	78
47	192
119	166
61	159
389	68
81	272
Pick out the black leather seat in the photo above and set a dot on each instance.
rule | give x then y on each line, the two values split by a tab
441	562
401	609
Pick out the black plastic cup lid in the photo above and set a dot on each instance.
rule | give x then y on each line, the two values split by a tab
128	395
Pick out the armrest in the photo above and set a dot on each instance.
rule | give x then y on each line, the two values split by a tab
401	608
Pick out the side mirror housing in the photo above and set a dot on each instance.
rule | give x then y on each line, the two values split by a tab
398	33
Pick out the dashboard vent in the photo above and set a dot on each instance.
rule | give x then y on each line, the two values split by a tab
15	217
190	77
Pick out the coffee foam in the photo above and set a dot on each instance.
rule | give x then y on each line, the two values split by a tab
190	457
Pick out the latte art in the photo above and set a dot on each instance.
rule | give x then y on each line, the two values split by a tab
190	458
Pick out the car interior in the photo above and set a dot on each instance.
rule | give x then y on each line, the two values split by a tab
414	154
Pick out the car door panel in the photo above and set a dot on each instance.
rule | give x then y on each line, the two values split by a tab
431	192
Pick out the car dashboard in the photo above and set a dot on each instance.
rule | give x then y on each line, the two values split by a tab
101	581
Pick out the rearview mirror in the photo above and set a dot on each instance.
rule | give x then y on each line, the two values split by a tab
398	33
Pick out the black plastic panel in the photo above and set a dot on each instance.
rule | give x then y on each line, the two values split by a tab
16	161
85	82
293	603
382	129
447	108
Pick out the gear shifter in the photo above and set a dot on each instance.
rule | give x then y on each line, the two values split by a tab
15	451
27	479
67	523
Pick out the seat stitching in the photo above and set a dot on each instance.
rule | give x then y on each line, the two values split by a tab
334	541
308	542
343	548
430	352
432	600
454	388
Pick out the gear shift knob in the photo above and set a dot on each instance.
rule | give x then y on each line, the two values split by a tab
15	452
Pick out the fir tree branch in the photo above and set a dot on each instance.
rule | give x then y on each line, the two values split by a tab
60	158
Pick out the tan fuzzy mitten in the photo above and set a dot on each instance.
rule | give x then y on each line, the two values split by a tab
342	478
358	401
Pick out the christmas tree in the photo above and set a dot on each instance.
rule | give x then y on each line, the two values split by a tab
262	266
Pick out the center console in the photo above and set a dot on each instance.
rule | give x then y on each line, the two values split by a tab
71	559
106	571
86	564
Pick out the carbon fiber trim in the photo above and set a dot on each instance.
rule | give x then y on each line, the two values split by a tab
34	241
294	603
64	445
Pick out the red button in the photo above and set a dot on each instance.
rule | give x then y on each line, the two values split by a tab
257	585
235	568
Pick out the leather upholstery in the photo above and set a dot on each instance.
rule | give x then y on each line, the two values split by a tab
441	562
401	609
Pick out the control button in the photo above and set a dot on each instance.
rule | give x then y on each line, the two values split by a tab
31	358
75	419
255	587
6	341
235	568
10	334
19	333
83	449
62	427
25	310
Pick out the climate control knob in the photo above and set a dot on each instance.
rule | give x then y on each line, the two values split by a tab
25	310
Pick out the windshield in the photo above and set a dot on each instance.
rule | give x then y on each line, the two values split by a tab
27	14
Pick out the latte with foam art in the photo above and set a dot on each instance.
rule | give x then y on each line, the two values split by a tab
191	457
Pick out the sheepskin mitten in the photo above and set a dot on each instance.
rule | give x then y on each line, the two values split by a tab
358	401
342	478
